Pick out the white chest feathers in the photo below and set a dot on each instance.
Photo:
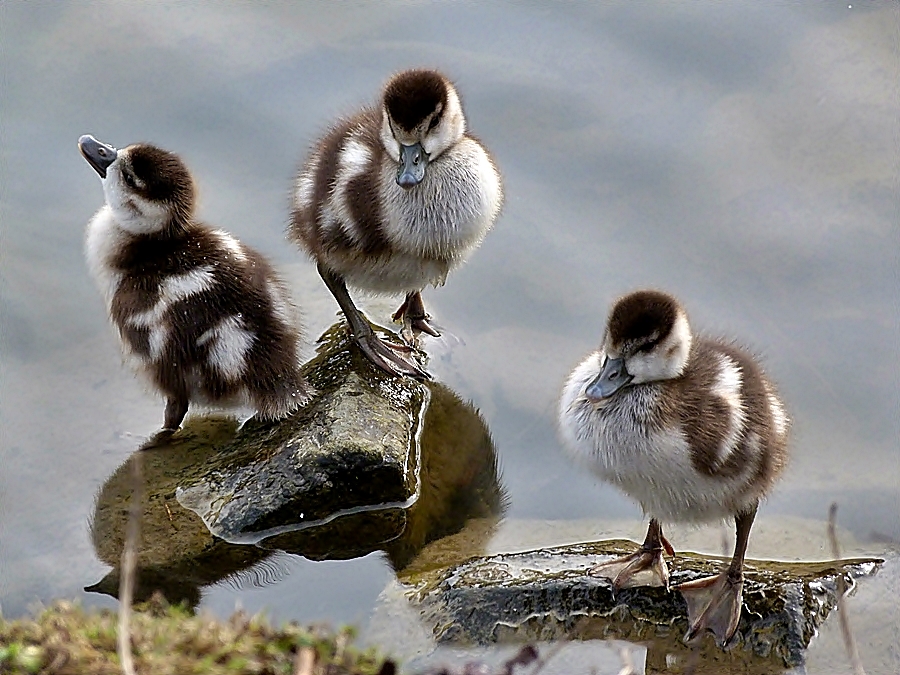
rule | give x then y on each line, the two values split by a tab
104	238
641	442
449	213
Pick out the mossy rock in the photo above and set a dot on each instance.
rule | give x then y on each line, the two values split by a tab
372	463
354	447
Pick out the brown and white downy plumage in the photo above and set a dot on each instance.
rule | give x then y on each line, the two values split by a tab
689	427
201	315
392	199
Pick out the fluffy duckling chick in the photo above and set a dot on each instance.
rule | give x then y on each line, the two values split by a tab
202	316
392	199
689	427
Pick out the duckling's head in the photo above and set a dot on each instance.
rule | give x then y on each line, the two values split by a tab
648	338
148	189
421	117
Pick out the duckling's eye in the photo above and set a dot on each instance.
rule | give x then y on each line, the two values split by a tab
433	123
129	179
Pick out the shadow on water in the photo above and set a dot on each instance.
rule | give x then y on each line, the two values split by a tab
459	481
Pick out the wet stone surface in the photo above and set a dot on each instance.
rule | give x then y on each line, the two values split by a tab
373	463
354	447
547	595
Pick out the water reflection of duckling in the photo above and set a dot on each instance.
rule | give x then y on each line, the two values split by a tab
691	428
392	199
204	316
459	484
178	555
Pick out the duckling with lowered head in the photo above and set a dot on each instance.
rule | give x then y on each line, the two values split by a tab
202	316
393	198
689	427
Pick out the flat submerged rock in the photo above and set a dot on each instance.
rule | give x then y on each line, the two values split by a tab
546	595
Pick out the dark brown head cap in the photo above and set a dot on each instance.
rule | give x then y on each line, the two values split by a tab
161	175
641	318
413	95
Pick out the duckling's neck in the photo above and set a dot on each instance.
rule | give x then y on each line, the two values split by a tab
468	208
161	225
139	216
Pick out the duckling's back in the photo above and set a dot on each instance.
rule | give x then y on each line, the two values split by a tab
199	313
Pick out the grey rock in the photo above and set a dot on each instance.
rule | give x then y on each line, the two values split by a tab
373	463
547	595
354	447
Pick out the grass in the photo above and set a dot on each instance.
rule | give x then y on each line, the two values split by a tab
67	639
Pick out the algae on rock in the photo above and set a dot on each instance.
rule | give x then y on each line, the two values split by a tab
355	446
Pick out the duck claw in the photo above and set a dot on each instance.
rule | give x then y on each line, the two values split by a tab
420	324
622	570
387	357
714	604
413	316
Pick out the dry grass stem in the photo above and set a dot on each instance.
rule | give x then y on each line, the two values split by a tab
128	565
627	662
849	640
304	661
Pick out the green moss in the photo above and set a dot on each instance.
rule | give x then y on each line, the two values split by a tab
66	639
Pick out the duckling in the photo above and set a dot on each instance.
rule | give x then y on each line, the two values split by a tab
392	199
689	427
200	314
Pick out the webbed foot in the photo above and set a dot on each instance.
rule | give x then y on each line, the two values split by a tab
623	570
412	314
392	358
647	557
176	409
714	604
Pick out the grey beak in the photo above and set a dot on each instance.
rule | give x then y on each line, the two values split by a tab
98	155
612	377
413	160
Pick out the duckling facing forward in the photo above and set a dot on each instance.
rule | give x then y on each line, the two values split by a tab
689	427
392	199
203	316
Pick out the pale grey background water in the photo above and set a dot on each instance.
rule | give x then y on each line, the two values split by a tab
743	155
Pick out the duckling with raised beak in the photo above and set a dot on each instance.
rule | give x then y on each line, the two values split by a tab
689	427
201	315
393	198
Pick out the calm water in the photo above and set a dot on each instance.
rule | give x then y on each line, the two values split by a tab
744	156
